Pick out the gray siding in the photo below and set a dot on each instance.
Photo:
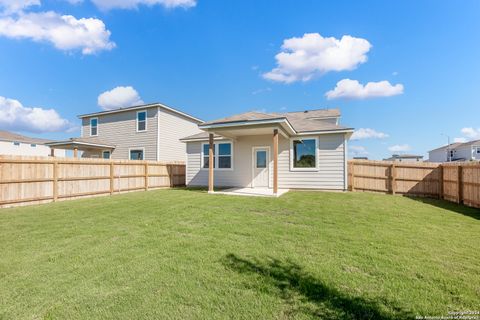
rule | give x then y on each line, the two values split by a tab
173	127
120	129
330	173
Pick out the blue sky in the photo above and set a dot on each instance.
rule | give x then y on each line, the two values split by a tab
212	59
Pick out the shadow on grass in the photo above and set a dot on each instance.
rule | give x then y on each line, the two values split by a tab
450	206
289	279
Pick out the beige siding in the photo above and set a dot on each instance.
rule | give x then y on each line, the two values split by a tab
120	129
173	127
330	173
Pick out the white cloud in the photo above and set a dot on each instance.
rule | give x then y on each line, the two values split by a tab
14	116
119	97
399	148
261	91
460	140
358	150
132	4
471	133
10	6
65	32
352	89
301	59
367	133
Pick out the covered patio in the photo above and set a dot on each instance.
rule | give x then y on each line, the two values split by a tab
256	126
79	144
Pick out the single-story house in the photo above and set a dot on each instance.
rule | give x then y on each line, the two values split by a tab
405	158
294	150
19	145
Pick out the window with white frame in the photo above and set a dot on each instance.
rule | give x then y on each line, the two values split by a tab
136	154
142	121
94	126
15	143
222	155
106	154
304	153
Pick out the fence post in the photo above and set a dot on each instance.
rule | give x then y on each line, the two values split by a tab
353	175
440	181
112	170
460	184
146	176
55	181
393	176
170	174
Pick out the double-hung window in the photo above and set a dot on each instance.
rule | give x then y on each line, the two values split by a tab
106	154
141	121
222	155
304	154
94	127
136	154
478	150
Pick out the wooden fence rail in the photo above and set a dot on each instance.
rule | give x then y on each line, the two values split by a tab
30	180
458	182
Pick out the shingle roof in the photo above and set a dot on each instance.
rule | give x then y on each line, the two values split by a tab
458	144
14	137
87	140
200	136
301	121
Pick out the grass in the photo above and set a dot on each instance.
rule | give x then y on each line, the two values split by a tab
183	254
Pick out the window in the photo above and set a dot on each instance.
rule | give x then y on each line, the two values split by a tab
222	155
142	121
106	154
206	155
261	159
16	143
136	154
304	154
478	150
33	145
94	126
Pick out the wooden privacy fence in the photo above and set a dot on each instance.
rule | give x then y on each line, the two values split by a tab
43	179
458	181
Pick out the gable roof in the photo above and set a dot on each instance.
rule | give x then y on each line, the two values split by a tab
143	106
300	121
14	137
458	145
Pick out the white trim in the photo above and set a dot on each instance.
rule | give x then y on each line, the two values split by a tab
216	155
158	134
324	132
292	168
90	127
345	167
254	164
136	121
145	106
201	139
60	143
136	148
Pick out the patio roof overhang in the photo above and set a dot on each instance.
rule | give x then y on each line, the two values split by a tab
250	127
72	144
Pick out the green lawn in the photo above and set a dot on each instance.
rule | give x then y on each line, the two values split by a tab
183	254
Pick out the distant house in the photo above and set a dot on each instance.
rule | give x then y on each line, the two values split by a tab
306	149
144	132
404	158
360	158
18	145
456	152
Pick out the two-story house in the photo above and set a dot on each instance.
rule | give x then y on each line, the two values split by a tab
145	132
468	151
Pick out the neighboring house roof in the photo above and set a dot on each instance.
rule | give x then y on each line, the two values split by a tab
85	142
14	137
458	145
143	106
301	121
404	156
